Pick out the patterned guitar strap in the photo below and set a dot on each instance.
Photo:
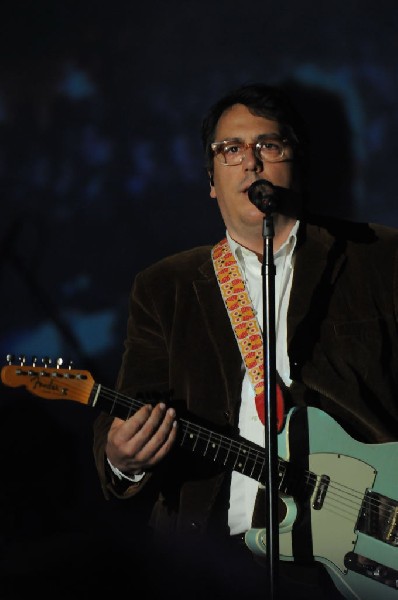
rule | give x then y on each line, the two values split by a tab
245	325
250	341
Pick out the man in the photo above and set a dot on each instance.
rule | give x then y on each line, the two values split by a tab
194	320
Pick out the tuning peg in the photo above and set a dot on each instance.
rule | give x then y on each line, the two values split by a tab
46	360
60	362
22	359
10	358
34	361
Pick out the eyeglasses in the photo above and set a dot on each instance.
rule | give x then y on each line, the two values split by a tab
269	148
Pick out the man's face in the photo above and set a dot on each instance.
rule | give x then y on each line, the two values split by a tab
232	182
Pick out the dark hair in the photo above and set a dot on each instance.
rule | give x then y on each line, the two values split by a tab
265	101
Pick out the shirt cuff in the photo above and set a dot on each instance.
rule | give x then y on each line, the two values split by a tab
120	475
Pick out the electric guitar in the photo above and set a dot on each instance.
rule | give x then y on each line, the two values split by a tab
338	504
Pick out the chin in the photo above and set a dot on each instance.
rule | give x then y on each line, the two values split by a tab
254	215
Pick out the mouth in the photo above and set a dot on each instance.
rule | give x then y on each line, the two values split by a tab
246	186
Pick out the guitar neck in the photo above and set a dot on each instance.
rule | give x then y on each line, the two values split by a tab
233	453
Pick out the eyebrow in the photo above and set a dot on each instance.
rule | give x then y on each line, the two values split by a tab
259	137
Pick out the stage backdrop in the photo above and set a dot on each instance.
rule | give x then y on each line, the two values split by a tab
102	169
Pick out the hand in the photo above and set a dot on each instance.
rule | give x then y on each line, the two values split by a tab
143	440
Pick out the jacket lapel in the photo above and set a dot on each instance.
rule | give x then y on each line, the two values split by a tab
216	320
318	261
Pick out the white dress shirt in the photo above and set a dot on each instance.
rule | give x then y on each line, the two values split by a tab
244	489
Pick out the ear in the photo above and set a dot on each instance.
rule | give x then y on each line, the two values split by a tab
212	190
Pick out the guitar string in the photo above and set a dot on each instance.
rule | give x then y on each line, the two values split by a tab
251	454
349	497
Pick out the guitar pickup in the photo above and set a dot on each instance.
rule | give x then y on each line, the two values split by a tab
321	489
392	527
379	518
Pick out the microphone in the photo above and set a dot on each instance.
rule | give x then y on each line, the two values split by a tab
263	195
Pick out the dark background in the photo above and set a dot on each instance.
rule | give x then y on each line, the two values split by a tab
102	173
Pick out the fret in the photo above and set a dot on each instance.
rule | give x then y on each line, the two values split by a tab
242	454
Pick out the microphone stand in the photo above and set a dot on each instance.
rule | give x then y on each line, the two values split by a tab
270	427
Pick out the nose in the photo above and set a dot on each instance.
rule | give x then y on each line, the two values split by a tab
251	161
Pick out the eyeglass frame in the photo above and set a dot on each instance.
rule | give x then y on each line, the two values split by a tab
255	146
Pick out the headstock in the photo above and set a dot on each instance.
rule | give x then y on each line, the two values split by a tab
55	383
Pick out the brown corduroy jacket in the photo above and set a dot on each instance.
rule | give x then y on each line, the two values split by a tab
342	345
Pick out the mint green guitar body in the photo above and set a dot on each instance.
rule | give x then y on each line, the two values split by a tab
353	509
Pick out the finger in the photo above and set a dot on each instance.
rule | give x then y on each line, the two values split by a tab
140	438
122	431
154	434
158	455
155	450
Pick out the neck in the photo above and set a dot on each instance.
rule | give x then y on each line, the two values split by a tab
254	240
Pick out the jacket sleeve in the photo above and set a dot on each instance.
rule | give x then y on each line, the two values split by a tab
144	371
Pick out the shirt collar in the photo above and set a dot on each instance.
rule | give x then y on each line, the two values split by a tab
242	254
